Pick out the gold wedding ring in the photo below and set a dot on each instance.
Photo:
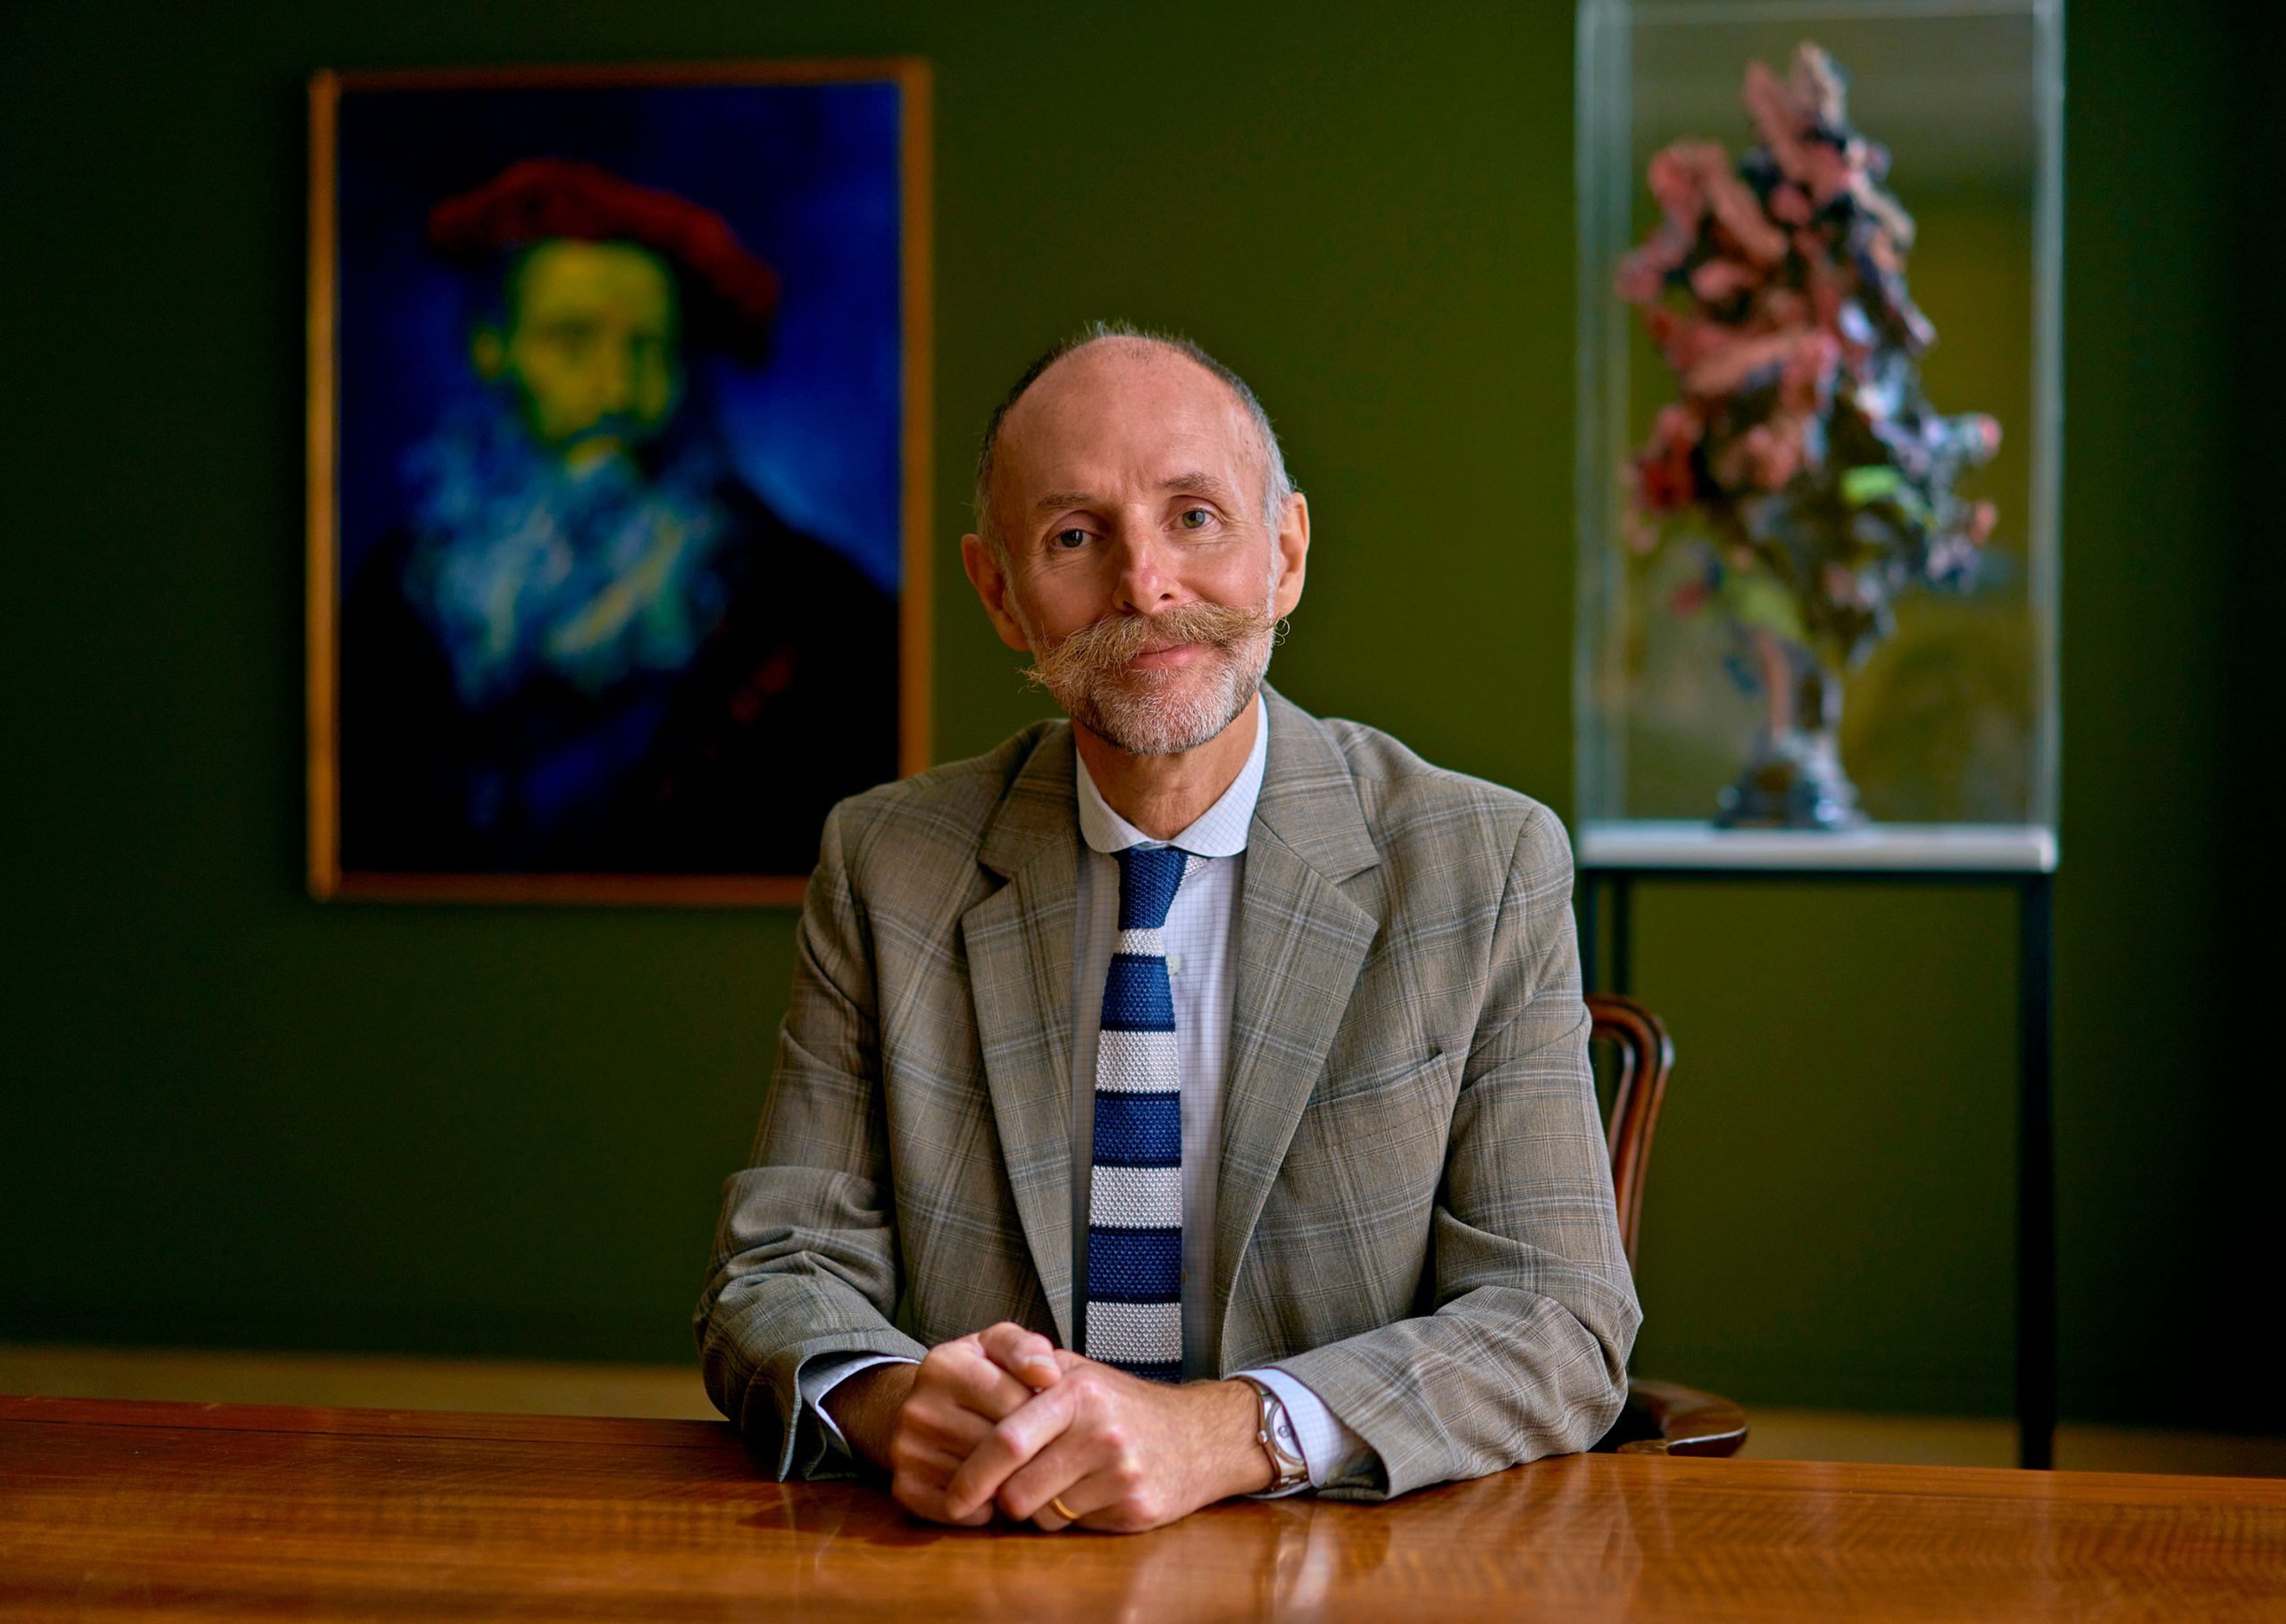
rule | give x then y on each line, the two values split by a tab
1062	1510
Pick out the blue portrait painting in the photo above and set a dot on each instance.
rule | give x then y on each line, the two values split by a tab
617	537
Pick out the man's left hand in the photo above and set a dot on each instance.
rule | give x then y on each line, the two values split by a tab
1121	1454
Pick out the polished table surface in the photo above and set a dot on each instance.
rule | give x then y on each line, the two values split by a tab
113	1508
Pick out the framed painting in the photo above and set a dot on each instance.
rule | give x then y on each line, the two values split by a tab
618	474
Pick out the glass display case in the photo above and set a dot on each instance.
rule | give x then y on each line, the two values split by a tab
1818	432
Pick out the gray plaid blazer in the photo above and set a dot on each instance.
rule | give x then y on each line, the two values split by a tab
1415	1212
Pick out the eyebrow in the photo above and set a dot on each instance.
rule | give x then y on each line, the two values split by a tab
1200	484
1195	483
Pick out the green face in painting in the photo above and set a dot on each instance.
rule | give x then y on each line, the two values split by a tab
590	346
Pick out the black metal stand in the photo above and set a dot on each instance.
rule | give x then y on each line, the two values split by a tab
2035	1115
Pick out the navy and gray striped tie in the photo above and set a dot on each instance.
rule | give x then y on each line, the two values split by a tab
1135	1203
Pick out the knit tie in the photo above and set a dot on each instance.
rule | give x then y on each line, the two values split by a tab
1135	1203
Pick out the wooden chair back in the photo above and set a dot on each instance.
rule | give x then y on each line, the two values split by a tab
1646	1056
1661	1416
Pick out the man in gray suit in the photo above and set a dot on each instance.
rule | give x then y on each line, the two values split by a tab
1187	1101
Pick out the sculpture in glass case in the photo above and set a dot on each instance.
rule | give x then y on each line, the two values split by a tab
1802	459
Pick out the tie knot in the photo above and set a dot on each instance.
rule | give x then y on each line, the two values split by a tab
1148	875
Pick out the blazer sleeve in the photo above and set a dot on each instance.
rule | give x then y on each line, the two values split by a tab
1535	1311
805	1260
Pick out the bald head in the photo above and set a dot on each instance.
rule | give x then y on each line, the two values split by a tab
1091	383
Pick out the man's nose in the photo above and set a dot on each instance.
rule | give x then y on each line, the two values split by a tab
1146	583
615	379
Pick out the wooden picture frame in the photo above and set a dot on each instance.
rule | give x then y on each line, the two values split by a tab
570	562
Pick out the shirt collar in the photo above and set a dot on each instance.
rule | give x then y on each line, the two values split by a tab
1220	831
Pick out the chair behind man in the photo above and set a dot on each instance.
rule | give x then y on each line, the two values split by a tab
1661	1418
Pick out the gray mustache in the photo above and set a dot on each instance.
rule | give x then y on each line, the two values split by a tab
1106	647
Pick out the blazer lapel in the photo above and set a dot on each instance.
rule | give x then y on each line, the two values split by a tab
1020	947
1300	944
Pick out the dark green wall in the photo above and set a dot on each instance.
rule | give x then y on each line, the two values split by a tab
234	1117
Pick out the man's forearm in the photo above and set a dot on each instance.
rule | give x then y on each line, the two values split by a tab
1232	1461
866	1407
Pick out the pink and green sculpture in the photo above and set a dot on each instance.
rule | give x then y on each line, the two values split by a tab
1801	458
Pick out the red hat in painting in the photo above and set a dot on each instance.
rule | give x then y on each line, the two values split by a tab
541	198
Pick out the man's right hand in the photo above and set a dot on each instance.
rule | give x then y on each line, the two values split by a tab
920	1422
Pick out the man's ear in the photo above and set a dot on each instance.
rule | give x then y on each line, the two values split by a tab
1293	545
992	586
487	353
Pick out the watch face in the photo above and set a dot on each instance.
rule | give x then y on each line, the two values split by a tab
1287	1448
1289	1468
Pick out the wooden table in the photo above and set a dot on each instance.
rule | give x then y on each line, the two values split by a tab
111	1509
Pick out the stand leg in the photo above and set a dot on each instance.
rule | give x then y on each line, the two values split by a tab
2035	1176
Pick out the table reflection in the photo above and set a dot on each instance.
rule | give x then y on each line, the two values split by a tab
1546	1527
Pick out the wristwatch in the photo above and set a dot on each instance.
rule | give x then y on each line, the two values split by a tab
1275	1433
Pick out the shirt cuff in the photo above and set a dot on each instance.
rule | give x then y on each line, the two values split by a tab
822	1375
1332	1450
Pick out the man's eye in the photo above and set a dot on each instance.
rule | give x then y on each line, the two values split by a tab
1196	519
1068	539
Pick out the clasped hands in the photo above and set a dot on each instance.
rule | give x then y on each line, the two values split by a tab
1004	1420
